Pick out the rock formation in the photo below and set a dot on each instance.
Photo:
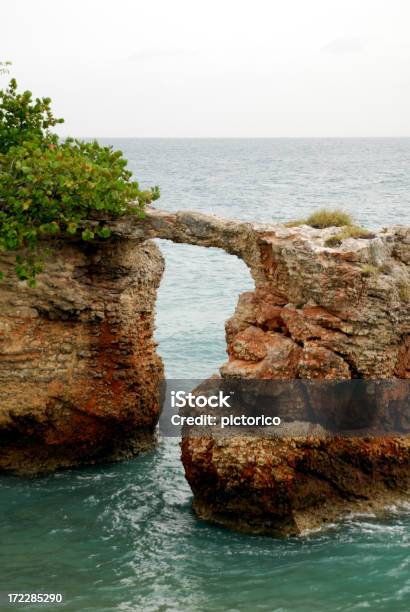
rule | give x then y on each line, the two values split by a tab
79	371
79	374
316	313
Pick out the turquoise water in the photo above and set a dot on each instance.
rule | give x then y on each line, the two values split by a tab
123	537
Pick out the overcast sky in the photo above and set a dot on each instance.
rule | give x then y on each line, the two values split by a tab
215	68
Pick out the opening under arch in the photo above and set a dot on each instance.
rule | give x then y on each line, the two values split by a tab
198	293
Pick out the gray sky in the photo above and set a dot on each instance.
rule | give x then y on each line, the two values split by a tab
215	68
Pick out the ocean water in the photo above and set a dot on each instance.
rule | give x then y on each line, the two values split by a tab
123	537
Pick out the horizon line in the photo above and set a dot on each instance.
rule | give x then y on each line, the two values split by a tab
243	137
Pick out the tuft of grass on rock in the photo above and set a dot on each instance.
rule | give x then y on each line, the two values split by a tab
349	231
329	218
324	218
355	231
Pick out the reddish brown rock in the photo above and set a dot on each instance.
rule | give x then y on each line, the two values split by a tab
285	487
79	374
316	313
353	300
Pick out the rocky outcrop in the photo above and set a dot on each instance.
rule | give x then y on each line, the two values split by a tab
79	375
293	485
79	372
316	313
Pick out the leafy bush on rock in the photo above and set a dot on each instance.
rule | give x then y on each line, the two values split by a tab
48	187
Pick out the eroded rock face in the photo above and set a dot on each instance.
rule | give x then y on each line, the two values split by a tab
316	313
290	486
79	374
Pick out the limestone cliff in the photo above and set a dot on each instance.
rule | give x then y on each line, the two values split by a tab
79	375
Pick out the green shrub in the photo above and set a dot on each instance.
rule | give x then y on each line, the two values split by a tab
48	187
23	119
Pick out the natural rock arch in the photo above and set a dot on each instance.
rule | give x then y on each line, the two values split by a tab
80	374
346	308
